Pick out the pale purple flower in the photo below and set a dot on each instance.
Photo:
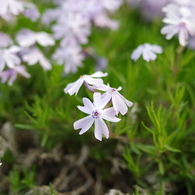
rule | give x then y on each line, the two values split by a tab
33	56
179	20
11	7
120	103
31	12
10	75
147	50
103	20
190	3
149	9
74	26
50	15
27	38
5	40
71	57
9	57
112	5
74	87
8	17
191	43
101	63
96	114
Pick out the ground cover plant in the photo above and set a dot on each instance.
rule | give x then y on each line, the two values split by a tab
97	97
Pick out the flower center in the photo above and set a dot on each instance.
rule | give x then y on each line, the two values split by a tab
113	90
96	114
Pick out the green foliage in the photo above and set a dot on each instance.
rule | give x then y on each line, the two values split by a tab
21	180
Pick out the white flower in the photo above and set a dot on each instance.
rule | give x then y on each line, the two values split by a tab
9	57
96	115
74	87
120	103
147	50
34	56
5	40
27	38
179	20
11	7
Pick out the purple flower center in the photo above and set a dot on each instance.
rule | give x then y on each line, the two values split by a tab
113	90
96	114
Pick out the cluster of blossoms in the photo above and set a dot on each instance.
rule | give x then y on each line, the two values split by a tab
73	27
98	110
12	55
179	17
11	8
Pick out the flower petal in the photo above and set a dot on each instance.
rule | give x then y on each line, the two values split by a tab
2	63
88	107
137	53
88	104
97	99
109	115
84	124
93	81
148	55
100	129
74	87
119	105
99	74
129	103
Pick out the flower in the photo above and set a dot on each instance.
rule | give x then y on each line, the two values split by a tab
5	40
31	12
149	9
147	50
11	7
74	87
179	20
102	20
74	26
70	56
11	74
33	56
50	15
96	115
9	57
120	103
27	38
112	5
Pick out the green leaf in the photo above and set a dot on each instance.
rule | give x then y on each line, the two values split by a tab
44	140
161	168
148	149
26	127
171	148
150	130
